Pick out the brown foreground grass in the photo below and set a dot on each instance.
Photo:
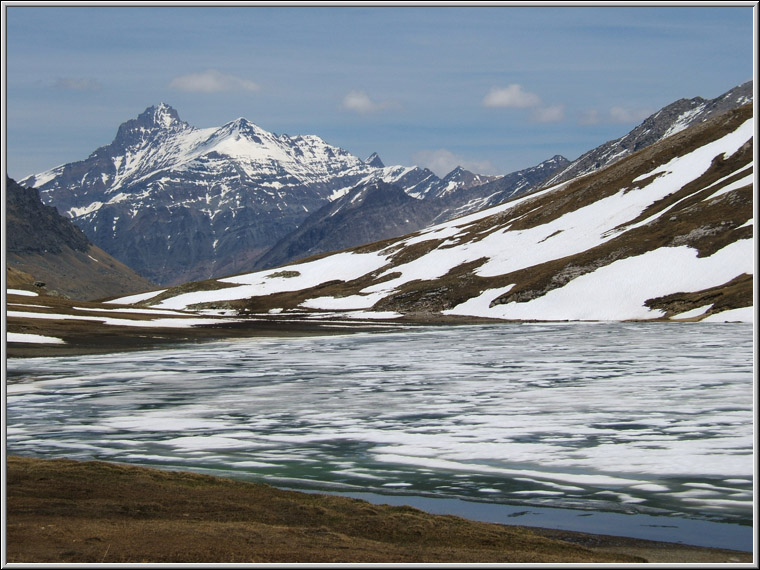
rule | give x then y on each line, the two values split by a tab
61	510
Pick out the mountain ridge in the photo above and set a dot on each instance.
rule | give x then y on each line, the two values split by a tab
350	221
669	120
663	234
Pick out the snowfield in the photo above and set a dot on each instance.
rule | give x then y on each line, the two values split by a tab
342	266
617	291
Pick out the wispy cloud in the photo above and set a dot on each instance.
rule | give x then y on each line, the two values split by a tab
360	102
443	161
623	115
618	115
77	84
513	96
552	114
590	117
212	81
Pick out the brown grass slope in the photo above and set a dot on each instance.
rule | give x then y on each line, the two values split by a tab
704	225
78	512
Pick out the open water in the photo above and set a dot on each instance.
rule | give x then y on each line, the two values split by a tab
637	429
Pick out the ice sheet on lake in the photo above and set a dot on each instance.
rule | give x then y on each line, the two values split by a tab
562	414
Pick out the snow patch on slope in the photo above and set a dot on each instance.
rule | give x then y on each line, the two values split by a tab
618	291
32	338
343	266
742	315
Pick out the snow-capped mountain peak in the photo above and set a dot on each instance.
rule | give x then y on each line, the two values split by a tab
161	116
456	173
374	160
243	126
165	115
178	202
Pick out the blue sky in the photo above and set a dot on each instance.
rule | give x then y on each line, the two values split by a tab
494	88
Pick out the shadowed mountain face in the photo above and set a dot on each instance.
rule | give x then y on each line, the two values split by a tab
665	233
35	228
376	211
366	214
44	247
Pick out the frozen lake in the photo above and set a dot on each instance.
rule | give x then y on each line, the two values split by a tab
640	429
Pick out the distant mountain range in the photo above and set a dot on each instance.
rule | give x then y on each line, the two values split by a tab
178	203
663	233
378	210
47	252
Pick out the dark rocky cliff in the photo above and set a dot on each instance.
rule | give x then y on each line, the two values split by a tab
45	248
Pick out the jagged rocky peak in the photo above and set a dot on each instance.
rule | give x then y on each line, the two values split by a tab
164	115
374	160
155	118
556	159
242	127
161	116
457	174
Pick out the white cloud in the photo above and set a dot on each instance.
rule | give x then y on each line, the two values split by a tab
360	102
442	161
590	117
511	96
552	114
212	81
623	115
614	115
77	84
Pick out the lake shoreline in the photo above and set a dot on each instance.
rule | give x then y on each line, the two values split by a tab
93	337
60	510
97	338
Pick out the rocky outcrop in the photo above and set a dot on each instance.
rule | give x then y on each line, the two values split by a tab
35	228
